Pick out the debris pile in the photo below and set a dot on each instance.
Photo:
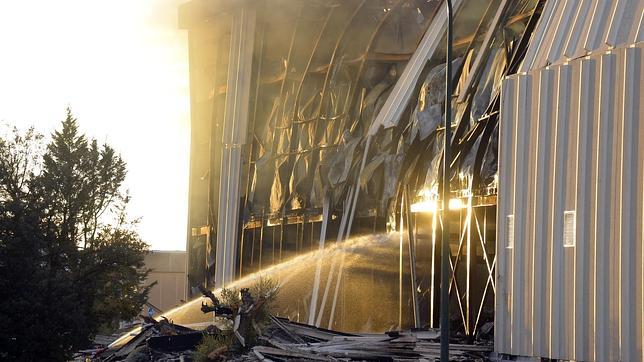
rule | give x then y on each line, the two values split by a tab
253	334
289	340
155	341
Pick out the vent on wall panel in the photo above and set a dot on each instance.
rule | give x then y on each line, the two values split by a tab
509	231
569	229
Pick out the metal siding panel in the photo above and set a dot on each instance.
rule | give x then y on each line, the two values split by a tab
639	33
579	27
563	30
603	205
531	202
558	294
600	16
573	179
570	203
629	203
233	135
588	157
202	126
639	216
520	154
519	321
593	210
220	256
244	78
537	36
505	201
554	22
585	117
510	182
621	22
549	219
540	307
233	230
616	172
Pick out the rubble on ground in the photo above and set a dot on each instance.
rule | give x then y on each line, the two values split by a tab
256	335
288	340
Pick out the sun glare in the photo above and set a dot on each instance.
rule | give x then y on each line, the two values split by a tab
122	66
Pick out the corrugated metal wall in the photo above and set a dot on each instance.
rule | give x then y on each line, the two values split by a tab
571	188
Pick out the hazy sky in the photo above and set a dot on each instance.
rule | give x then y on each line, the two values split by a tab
122	66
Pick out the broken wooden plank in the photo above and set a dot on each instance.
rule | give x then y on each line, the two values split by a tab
270	351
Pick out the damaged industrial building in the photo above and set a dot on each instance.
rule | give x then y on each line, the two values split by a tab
317	139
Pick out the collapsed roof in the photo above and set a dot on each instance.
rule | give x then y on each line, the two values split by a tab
313	120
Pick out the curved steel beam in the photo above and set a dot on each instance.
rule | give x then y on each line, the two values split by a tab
363	61
334	54
293	143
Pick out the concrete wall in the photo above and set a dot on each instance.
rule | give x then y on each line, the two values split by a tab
169	271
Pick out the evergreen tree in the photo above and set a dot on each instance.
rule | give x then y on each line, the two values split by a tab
71	263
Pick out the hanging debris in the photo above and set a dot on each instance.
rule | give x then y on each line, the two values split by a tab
307	128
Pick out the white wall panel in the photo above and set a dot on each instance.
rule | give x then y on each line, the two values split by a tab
572	141
570	29
631	207
563	30
541	311
520	318
602	219
531	186
536	40
232	138
579	28
503	316
559	190
583	206
624	14
639	32
579	122
549	37
598	25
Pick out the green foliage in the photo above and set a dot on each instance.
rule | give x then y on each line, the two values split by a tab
116	271
211	343
265	289
71	263
264	293
82	181
231	298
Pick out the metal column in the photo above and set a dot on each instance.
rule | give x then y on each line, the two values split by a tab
233	138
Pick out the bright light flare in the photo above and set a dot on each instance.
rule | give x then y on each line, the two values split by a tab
122	67
456	204
424	206
432	205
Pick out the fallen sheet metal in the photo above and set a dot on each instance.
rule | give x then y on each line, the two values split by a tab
287	340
